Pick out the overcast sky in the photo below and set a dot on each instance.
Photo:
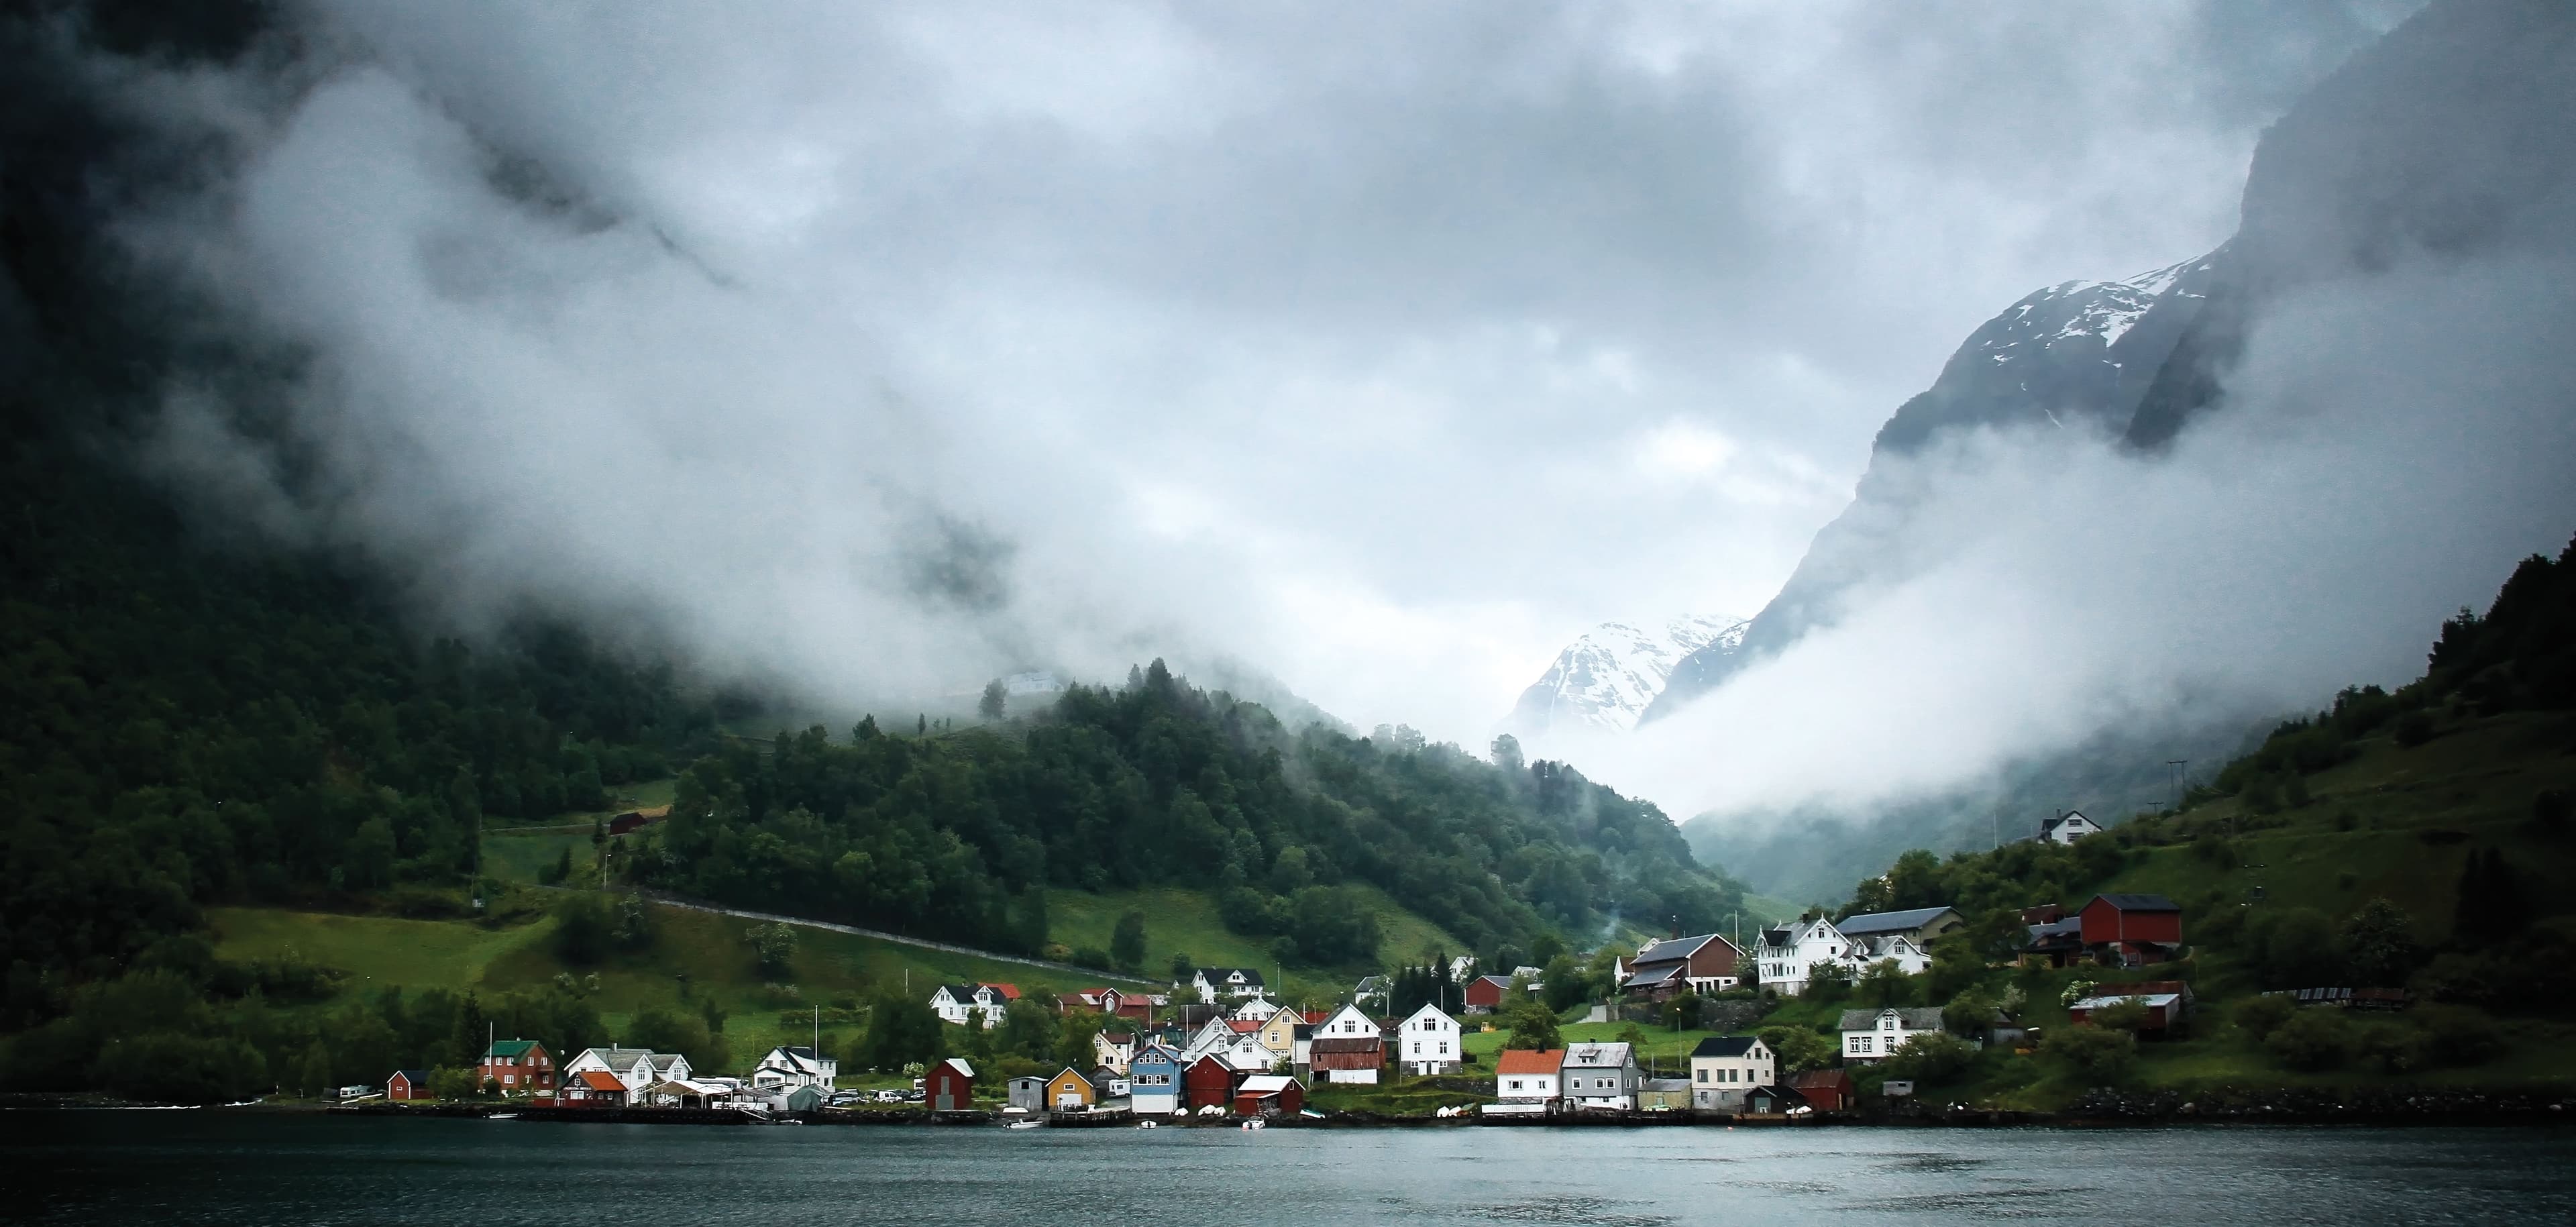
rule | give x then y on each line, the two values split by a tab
1385	347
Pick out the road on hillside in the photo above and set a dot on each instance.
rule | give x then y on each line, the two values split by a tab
880	935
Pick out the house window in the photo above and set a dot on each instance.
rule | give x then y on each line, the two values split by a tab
1444	1048
1703	1075
1516	1084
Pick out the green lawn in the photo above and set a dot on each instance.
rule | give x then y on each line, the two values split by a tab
517	858
831	970
1186	922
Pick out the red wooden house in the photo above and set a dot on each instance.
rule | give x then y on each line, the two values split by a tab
1825	1090
949	1086
2132	929
518	1065
1209	1081
1269	1095
1485	993
408	1084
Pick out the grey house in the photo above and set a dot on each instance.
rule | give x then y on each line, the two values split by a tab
1029	1094
1599	1077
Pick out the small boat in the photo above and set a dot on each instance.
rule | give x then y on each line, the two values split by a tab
1026	1124
503	1116
1250	1125
1148	1124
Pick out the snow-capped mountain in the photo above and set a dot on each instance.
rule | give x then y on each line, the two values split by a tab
1603	680
2079	354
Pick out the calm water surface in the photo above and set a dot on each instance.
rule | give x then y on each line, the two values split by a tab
251	1170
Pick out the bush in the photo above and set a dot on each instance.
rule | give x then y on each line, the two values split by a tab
182	1068
2313	1041
1935	1058
2128	1016
582	929
2102	1058
2259	1017
2413	729
2460	1035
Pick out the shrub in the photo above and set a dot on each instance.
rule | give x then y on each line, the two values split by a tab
1936	1057
582	929
2396	1049
182	1068
2129	1016
1798	1048
2103	1058
2259	1017
2460	1035
2413	729
2313	1040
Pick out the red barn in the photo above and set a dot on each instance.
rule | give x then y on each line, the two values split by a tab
1825	1090
949	1086
1269	1095
1208	1082
1485	994
2132	928
408	1084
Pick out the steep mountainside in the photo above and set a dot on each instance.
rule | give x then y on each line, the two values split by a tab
2446	140
1604	680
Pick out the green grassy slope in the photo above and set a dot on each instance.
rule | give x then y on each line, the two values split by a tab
1186	922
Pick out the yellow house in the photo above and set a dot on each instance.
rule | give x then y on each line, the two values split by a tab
1070	1091
1278	1035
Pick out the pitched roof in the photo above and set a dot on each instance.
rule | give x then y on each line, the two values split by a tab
1008	992
1264	1084
2140	903
1524	1061
1658	974
600	1080
1820	1077
1243	1026
1345	1043
1497	981
416	1077
1775	937
1914	1018
1676	948
1599	1056
617	1058
509	1050
1724	1046
961	992
1889	922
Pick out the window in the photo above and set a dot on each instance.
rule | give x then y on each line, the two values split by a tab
1516	1084
1860	1043
1703	1075
1444	1048
1417	1048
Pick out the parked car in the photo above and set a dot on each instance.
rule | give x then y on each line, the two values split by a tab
914	1097
890	1096
843	1099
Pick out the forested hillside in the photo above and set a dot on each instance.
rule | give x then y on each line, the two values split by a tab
1159	783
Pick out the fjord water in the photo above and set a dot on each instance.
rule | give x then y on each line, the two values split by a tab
255	1169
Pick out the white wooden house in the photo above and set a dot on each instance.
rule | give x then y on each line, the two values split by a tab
1723	1068
1219	983
1871	1035
1788	953
637	1068
2068	827
1347	1023
964	1003
1428	1042
785	1069
1112	1051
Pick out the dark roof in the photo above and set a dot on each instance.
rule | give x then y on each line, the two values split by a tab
416	1077
1503	981
1888	922
1344	1043
1724	1046
1914	1018
2140	903
1215	974
1820	1077
1644	976
1673	949
2051	824
1775	937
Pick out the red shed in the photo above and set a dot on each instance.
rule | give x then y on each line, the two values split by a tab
1269	1095
2132	918
1485	994
1825	1090
408	1084
1209	1081
949	1086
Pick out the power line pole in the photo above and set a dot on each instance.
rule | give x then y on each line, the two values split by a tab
2179	765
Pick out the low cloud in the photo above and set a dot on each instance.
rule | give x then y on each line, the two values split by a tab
877	350
2387	451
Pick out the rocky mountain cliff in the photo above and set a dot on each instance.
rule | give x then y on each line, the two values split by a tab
2447	141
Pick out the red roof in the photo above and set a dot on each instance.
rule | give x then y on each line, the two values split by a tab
601	1080
1009	992
1524	1061
1243	1026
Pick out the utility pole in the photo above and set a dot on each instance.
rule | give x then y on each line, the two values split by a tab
2179	765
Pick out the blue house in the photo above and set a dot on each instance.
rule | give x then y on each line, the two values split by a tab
1154	1080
